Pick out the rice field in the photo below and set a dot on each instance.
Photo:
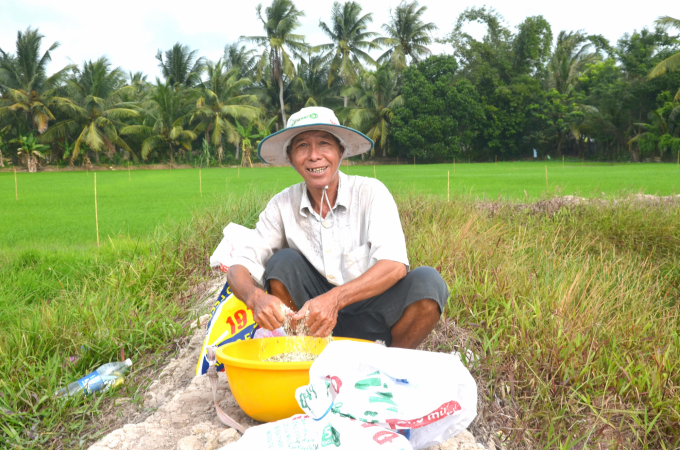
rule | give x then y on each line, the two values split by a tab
57	208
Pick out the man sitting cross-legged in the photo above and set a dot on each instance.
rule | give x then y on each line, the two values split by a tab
332	248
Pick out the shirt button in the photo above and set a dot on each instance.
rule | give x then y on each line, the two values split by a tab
328	250
331	277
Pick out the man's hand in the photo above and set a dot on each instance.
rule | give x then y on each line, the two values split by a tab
321	313
267	310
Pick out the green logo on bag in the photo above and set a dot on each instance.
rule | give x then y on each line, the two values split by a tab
313	116
330	436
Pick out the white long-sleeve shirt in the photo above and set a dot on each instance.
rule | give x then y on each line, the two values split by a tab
362	229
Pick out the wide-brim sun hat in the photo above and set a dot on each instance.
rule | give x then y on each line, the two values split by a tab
272	149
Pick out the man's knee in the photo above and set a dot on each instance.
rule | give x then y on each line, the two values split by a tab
428	279
285	256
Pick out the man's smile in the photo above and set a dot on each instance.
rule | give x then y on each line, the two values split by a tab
317	170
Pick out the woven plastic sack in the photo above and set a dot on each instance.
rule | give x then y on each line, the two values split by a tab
230	320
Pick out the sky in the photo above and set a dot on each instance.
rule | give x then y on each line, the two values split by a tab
130	33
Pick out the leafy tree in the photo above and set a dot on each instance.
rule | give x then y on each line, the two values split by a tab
165	114
350	42
222	104
407	36
181	66
27	92
672	63
509	87
280	21
440	116
531	47
376	95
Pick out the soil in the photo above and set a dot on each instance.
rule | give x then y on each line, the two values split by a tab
178	411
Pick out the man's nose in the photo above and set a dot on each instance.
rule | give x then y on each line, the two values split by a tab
314	153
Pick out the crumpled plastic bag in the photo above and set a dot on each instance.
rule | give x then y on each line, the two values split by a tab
429	397
234	235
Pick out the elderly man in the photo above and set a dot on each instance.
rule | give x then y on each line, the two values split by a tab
332	248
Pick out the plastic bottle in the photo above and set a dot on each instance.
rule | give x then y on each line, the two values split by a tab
106	376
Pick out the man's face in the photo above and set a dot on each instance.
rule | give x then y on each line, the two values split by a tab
316	156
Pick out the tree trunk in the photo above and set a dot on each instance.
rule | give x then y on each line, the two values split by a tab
2	162
633	154
345	101
283	110
238	150
559	144
32	163
220	151
172	154
96	157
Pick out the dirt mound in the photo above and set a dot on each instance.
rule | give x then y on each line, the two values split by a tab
184	417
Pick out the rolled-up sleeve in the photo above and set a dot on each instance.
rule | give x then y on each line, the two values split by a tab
385	235
267	238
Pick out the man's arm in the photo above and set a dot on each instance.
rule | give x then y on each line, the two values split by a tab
267	309
322	311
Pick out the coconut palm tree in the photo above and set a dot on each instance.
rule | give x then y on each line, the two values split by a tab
672	63
222	104
164	115
407	36
280	21
96	90
572	54
180	65
27	92
350	42
242	58
311	87
376	95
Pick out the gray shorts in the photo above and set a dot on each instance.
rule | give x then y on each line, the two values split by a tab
369	319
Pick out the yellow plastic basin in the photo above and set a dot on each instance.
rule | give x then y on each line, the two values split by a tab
266	390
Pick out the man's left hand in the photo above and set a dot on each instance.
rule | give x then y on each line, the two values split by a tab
321	313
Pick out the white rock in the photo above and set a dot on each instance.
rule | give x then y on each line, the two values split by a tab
189	443
228	436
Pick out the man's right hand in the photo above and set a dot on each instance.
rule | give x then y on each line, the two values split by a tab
267	310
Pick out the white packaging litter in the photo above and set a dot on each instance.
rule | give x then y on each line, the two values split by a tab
302	432
430	396
234	235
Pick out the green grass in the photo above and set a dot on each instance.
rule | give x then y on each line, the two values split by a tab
129	296
575	315
58	208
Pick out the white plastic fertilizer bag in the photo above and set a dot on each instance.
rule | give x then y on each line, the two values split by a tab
428	397
319	428
302	432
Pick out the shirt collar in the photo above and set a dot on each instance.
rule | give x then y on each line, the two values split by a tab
342	199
